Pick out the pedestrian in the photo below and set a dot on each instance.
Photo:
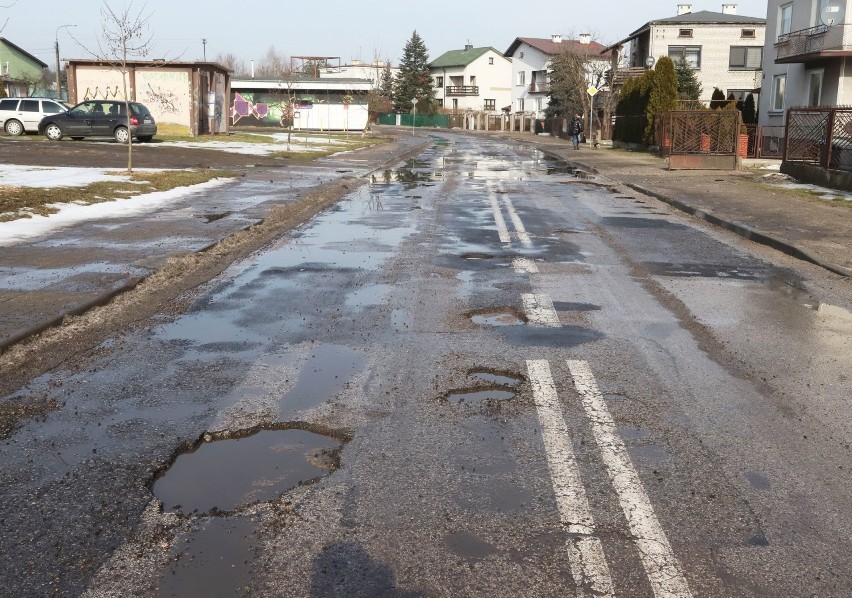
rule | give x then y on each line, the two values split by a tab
576	129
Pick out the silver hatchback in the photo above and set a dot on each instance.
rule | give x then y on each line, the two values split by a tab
22	115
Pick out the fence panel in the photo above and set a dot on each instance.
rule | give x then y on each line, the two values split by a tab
807	134
699	132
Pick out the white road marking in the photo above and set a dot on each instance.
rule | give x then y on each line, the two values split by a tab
517	223
502	231
523	265
585	551
540	310
659	560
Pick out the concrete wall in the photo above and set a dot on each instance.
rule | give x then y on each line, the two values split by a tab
167	94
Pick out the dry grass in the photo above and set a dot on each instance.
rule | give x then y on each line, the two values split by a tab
22	202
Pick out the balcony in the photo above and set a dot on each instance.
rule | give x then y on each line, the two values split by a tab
816	42
623	74
461	90
539	87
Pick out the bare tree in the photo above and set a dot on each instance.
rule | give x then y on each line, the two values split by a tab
271	65
232	63
6	20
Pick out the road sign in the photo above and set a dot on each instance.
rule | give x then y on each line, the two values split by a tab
592	90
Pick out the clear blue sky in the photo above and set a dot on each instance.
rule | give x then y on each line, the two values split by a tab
350	29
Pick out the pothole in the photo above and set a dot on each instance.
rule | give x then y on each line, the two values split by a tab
504	316
214	217
498	378
225	474
476	256
477	396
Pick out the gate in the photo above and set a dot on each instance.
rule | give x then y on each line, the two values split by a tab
700	139
820	136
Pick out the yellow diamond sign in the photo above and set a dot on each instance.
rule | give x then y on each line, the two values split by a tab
592	90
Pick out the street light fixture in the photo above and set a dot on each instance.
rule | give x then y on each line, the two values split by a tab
414	115
58	81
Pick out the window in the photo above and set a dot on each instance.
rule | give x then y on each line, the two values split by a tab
491	104
522	77
779	82
520	54
473	80
739	94
8	104
692	55
814	87
684	33
490	60
748	33
439	81
785	19
51	108
539	104
745	58
29	106
520	104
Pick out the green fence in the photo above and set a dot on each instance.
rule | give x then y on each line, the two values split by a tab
440	121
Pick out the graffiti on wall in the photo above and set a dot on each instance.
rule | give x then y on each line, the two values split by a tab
244	107
106	94
164	100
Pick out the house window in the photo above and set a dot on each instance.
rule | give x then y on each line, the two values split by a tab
779	83
739	95
691	54
785	19
473	80
520	54
814	88
520	104
491	104
490	60
522	77
539	104
439	81
684	33
748	33
745	58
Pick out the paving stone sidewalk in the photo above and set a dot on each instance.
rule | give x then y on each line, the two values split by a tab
794	222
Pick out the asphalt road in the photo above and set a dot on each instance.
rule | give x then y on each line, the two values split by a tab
483	373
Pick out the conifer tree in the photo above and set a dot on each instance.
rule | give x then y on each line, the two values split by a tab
688	87
749	110
717	100
386	83
414	79
663	95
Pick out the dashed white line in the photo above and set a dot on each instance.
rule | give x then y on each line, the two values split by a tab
524	265
517	223
540	311
585	552
502	231
660	563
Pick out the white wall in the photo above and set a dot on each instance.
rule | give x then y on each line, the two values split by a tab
166	93
533	59
493	81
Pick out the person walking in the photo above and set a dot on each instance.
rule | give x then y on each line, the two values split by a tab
576	129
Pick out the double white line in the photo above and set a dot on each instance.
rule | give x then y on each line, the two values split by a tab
586	556
502	229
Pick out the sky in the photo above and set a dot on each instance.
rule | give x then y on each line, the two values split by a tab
365	30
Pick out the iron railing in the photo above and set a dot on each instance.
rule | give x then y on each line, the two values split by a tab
821	136
539	87
462	90
814	40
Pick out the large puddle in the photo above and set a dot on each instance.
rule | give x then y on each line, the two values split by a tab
475	397
224	475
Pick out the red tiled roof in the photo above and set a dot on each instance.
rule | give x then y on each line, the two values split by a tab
552	48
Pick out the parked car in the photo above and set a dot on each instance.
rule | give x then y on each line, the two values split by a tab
22	115
101	118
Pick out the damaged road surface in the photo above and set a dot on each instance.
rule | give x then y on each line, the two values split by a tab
480	373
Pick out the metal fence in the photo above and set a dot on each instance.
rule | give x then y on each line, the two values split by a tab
821	136
765	141
699	132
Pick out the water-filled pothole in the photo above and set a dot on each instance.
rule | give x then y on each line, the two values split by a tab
501	379
222	475
476	396
507	316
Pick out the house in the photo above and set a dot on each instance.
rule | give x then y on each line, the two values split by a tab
530	62
806	58
475	79
192	96
308	103
358	69
724	48
21	73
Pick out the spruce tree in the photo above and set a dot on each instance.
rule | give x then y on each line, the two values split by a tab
717	100
664	96
749	110
386	83
688	87
414	79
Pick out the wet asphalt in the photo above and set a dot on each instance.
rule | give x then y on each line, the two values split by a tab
350	412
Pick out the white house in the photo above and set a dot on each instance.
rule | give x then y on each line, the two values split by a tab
358	69
724	48
806	61
472	79
530	62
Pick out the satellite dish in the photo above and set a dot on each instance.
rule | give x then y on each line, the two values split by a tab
832	13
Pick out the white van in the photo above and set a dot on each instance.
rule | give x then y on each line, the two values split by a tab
22	115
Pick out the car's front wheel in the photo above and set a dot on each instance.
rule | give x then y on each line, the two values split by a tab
14	128
53	132
121	135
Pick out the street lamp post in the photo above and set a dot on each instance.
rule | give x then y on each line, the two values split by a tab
58	66
414	115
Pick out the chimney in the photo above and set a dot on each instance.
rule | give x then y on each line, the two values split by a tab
729	9
585	38
683	9
468	47
556	39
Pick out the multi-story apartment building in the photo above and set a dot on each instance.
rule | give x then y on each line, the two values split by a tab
531	58
808	57
472	79
724	48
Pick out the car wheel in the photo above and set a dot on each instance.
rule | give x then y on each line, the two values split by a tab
121	135
145	138
53	132
14	128
76	138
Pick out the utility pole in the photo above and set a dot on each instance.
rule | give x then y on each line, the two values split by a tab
58	66
204	43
